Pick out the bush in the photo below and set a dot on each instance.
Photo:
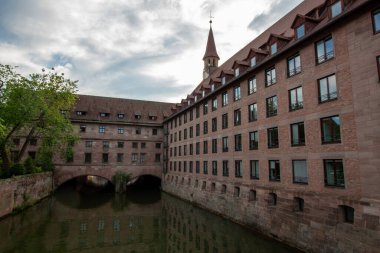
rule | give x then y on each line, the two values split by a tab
17	169
29	165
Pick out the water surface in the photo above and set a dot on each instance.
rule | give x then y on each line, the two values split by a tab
136	222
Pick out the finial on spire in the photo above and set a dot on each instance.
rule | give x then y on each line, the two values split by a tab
211	17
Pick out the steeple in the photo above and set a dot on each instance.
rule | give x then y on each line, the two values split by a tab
211	57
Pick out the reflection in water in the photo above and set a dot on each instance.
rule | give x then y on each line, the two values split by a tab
137	222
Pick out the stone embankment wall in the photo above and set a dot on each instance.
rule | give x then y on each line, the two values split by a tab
318	228
21	191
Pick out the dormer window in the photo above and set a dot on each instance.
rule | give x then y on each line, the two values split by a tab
120	115
81	113
236	72
203	93
273	48
188	102
212	87
223	80
336	9
152	117
104	114
195	98
300	31
253	61
137	115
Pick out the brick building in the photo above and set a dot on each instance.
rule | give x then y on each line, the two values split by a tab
284	136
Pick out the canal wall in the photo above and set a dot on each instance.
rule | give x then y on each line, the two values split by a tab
21	191
319	227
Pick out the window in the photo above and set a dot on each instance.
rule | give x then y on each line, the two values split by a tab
197	148
134	157
214	168
105	158
295	99
272	106
197	112
274	170
348	213
185	118
134	145
205	127
272	199
225	98
273	48
185	150
120	158
238	168
120	130
237	72
237	94
238	142
225	144
214	124
223	80
191	114
104	114
299	204
205	108
330	129
327	89
336	9
158	145
154	131
300	31
334	175
197	129
33	142
273	137
212	87
253	140
253	61
191	148
270	76
205	167
87	157
102	129
191	132
225	168
82	128
300	171
205	147
120	144
252	85
294	65
324	49
106	144
376	21
137	116
142	157
225	121
197	167
252	195
191	167
214	145
138	130
81	113
120	115
237	117
88	144
214	104
254	168
236	191
297	134
252	112
143	145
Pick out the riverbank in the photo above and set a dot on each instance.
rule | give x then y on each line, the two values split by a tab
22	191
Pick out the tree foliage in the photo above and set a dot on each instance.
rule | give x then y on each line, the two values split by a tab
35	107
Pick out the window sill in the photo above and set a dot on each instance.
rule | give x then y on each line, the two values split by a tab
298	145
331	142
319	63
300	183
274	180
297	73
335	186
326	101
256	148
255	178
273	147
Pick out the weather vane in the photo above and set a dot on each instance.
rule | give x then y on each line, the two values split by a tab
211	17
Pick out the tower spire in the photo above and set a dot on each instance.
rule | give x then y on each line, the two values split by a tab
210	57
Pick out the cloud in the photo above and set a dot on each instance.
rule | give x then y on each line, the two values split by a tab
276	10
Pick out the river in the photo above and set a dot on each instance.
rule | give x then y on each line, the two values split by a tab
140	221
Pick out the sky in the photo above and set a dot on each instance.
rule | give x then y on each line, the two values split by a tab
137	49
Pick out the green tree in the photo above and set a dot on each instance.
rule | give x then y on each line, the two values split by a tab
35	107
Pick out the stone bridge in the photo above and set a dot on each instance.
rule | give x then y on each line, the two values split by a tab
64	173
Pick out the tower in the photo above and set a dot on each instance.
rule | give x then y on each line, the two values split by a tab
211	58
